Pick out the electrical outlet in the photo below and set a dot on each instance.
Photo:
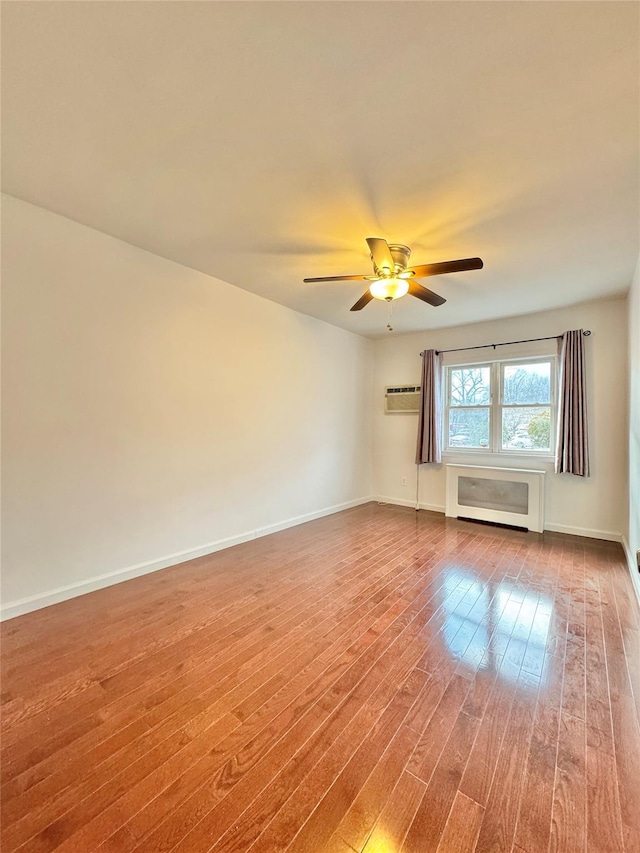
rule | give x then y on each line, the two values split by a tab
404	481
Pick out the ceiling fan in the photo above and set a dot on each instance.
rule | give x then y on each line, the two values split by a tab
392	279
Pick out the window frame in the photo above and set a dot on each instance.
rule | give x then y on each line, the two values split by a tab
496	407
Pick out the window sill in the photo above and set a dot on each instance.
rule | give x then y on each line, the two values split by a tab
488	456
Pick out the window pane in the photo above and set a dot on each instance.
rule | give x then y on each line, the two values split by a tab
526	429
470	386
469	427
527	383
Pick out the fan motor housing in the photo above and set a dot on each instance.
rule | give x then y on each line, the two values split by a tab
400	255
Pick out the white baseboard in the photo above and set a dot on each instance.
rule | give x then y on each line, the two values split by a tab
589	533
309	516
35	602
399	502
633	569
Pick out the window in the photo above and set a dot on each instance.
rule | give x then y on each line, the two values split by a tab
501	407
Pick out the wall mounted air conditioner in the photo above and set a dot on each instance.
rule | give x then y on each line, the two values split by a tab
403	399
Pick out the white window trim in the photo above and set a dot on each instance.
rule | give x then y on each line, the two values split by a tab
495	405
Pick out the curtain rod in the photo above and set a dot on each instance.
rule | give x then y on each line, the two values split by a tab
586	333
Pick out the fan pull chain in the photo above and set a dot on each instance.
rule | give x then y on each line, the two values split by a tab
389	313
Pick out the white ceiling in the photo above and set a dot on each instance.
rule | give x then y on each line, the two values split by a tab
262	142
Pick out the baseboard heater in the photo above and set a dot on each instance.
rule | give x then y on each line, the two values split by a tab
512	496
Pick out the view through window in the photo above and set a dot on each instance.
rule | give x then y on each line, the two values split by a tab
501	406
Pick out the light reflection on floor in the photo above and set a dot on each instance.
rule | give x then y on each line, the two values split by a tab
380	842
495	626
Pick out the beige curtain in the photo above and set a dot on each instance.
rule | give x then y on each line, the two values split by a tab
429	445
572	454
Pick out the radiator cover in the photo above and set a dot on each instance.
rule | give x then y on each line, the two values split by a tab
503	495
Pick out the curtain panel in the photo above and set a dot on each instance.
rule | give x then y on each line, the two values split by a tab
429	444
572	454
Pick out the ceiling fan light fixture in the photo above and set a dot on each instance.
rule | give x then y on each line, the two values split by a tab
392	279
389	288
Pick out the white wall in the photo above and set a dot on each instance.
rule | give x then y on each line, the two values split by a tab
596	506
634	423
151	410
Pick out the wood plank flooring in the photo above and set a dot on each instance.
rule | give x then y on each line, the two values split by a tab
376	681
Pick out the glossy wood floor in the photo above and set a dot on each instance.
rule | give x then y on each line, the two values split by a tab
380	680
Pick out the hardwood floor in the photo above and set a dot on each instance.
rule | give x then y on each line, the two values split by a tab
380	680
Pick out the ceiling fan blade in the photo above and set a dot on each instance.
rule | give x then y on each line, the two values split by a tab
339	278
422	292
381	254
365	299
448	266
